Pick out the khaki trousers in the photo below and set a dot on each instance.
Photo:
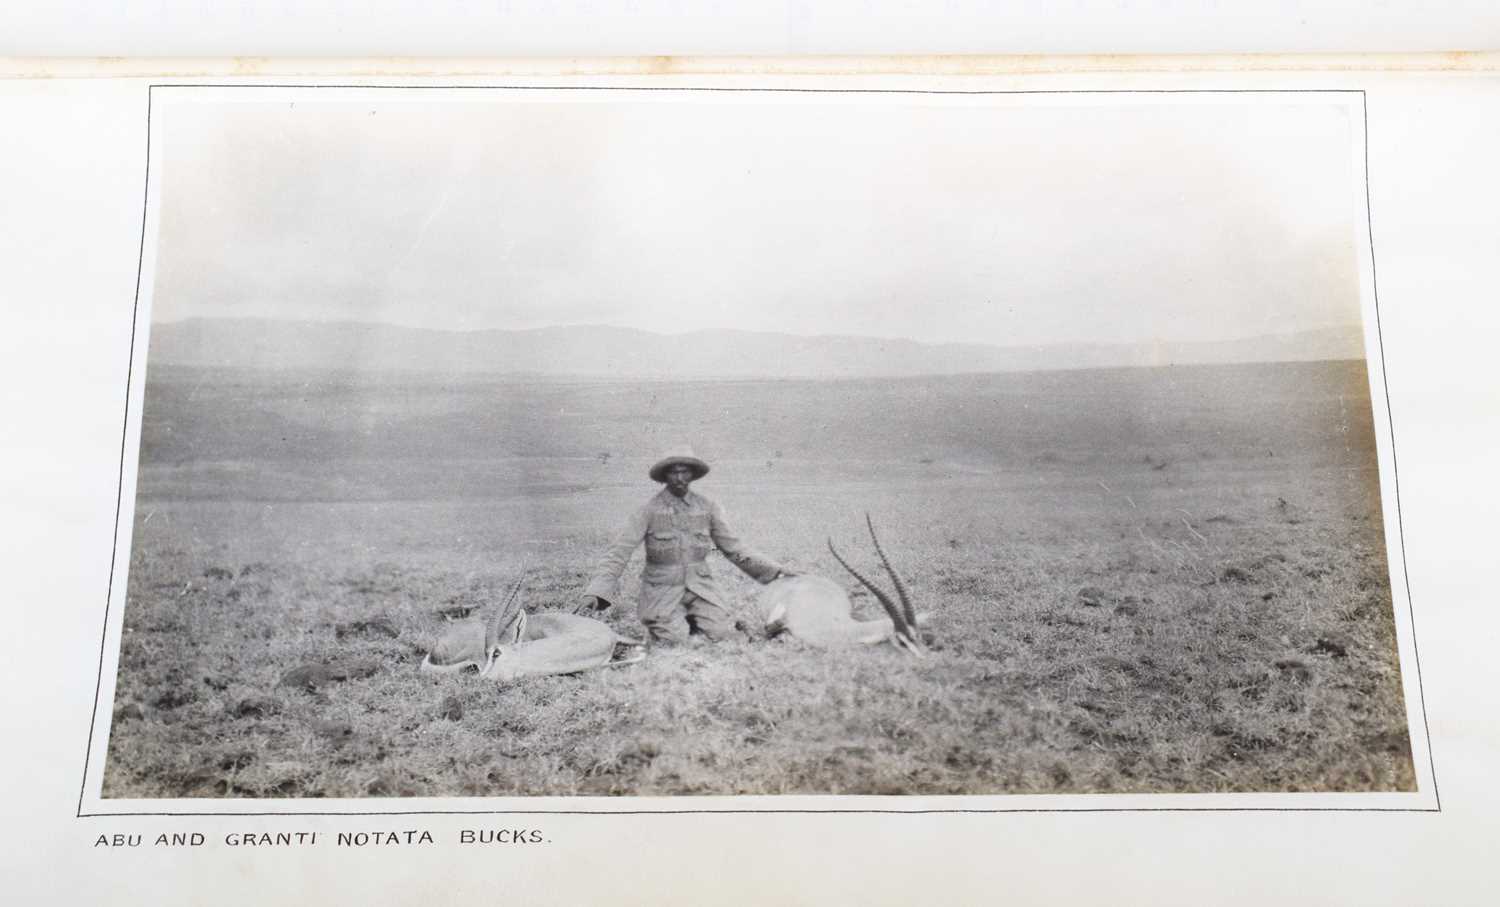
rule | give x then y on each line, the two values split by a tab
672	623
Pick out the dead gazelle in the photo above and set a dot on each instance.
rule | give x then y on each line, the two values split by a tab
817	610
512	644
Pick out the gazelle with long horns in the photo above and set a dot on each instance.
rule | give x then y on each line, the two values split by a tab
512	644
817	610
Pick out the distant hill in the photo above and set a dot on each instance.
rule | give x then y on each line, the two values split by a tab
599	351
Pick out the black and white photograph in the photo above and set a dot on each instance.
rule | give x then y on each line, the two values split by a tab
503	442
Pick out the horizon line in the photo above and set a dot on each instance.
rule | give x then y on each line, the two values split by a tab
705	378
1342	326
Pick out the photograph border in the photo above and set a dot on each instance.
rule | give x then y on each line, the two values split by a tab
1399	548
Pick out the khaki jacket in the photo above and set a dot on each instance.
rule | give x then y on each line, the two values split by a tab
678	534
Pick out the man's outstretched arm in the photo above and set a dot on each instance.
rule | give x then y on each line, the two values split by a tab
603	588
757	565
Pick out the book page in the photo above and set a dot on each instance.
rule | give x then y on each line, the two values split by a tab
737	483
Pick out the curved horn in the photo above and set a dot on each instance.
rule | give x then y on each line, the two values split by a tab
504	614
904	633
910	613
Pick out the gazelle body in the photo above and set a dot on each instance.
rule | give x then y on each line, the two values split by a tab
552	643
512	644
818	611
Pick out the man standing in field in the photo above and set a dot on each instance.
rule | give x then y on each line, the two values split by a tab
679	527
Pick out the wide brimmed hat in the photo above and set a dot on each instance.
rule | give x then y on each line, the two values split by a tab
678	456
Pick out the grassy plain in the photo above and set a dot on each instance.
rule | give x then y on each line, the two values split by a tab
1143	580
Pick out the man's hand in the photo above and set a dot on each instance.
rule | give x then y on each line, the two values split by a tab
591	603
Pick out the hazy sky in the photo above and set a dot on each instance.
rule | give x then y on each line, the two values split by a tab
966	219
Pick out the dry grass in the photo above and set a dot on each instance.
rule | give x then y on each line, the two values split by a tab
1169	580
1198	640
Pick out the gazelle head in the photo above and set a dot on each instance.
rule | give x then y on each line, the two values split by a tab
506	626
903	617
462	648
